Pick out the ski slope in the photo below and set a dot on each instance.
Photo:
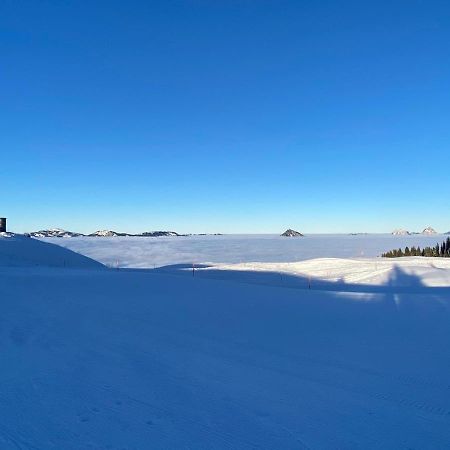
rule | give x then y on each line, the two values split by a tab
227	357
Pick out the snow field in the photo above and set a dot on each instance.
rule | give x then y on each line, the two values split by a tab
139	359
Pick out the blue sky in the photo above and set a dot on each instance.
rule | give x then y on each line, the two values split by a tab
225	116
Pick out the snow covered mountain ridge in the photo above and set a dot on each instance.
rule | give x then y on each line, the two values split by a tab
402	232
60	233
57	232
53	232
6	234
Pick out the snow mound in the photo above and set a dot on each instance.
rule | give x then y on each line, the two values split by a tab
18	251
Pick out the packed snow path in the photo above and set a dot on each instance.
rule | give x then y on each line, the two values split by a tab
108	359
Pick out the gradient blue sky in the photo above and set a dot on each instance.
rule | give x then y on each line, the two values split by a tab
225	116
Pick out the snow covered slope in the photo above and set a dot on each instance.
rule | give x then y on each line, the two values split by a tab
336	273
143	359
321	354
18	250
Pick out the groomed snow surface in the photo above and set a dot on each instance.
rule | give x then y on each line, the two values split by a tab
323	354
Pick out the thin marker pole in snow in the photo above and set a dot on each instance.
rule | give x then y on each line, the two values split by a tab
193	269
309	282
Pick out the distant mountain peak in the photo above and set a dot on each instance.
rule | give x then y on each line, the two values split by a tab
400	232
429	230
53	232
158	233
292	233
58	232
104	233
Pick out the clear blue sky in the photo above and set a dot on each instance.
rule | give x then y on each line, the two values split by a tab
225	116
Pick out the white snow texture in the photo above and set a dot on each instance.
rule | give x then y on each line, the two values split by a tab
330	353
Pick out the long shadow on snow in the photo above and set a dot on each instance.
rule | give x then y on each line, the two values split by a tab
399	281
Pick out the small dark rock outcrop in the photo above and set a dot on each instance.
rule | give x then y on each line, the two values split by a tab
292	233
